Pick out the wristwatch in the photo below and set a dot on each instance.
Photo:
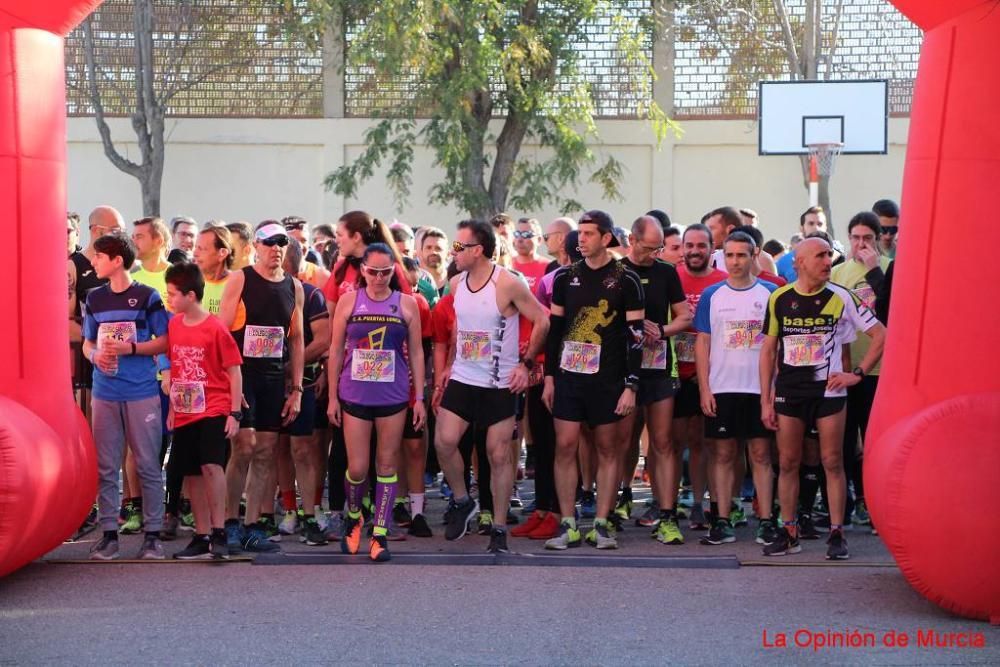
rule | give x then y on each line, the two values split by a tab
528	363
237	415
860	372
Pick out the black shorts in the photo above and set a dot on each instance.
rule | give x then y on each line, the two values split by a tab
736	416
484	406
265	397
370	413
809	410
655	389
687	402
410	433
200	443
586	402
306	421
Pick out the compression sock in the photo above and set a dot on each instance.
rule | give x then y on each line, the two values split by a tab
385	494
417	503
355	492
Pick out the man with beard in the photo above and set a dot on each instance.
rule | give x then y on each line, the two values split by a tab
433	246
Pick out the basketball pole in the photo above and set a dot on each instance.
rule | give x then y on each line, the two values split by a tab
813	182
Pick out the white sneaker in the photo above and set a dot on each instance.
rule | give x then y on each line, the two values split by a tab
320	517
289	524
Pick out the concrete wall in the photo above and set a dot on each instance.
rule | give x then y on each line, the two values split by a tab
255	169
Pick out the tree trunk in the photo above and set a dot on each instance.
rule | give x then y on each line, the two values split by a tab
508	148
150	194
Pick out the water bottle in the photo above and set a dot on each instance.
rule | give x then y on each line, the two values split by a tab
102	349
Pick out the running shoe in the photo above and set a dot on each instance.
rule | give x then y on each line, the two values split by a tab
105	549
547	529
378	549
737	517
498	542
458	517
334	526
681	512
267	524
401	515
446	491
783	545
169	530
566	539
393	533
151	549
350	542
197	549
289	523
512	519
623	510
485	523
515	498
604	537
650	518
133	520
219	547
234	536
187	520
668	532
807	528
255	540
588	505
767	532
312	534
525	528
837	546
321	518
720	533
861	514
698	519
419	527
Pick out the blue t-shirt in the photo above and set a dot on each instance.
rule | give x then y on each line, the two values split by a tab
786	266
135	315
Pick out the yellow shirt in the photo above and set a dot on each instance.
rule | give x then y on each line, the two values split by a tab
213	294
851	274
155	279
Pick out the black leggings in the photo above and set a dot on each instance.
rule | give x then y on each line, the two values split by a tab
543	440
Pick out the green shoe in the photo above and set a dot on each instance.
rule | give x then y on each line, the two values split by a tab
485	525
737	517
187	520
623	510
767	532
668	532
133	520
861	515
604	537
566	539
720	533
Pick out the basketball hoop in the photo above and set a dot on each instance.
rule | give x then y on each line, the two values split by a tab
823	158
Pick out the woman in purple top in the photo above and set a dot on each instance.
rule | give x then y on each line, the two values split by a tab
375	349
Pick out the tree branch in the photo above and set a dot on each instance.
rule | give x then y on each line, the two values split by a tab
786	32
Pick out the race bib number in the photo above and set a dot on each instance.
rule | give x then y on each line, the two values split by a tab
474	345
123	332
263	342
582	358
373	365
187	397
655	356
744	334
684	346
803	350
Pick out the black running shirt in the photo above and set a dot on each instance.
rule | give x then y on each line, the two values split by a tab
662	288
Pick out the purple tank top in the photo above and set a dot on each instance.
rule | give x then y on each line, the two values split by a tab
375	372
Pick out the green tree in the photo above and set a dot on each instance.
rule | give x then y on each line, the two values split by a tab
467	62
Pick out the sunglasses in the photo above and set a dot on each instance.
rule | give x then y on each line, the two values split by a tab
280	241
524	235
890	229
546	237
458	246
381	273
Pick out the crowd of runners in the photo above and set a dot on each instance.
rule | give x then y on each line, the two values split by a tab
251	383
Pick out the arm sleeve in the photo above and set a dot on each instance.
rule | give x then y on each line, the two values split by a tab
875	278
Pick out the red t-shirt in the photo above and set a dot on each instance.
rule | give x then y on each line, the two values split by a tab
333	290
426	324
693	286
771	278
533	271
199	356
443	319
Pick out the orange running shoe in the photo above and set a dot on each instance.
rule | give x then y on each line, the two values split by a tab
378	549
351	542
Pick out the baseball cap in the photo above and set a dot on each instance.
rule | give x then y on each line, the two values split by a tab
604	224
269	230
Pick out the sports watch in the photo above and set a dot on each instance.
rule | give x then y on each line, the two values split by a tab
237	415
860	372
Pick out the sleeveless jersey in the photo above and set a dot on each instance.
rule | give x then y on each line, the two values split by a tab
262	338
487	342
375	371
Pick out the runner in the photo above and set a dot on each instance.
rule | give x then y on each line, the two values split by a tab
241	234
806	325
120	322
527	234
729	321
102	220
206	393
485	373
183	230
270	337
666	314
383	353
592	364
151	237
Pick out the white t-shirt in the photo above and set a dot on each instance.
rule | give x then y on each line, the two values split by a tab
735	320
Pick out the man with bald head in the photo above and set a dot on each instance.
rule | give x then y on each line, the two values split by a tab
102	220
554	236
806	326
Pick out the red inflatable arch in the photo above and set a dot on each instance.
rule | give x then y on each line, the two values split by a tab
47	467
932	459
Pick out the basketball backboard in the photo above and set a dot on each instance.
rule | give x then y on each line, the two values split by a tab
793	114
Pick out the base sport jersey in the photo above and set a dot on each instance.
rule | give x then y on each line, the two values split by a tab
811	331
852	275
375	371
595	345
486	341
661	288
734	318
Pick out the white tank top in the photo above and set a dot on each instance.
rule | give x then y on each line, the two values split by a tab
487	342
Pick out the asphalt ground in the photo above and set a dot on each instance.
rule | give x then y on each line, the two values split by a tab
477	611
